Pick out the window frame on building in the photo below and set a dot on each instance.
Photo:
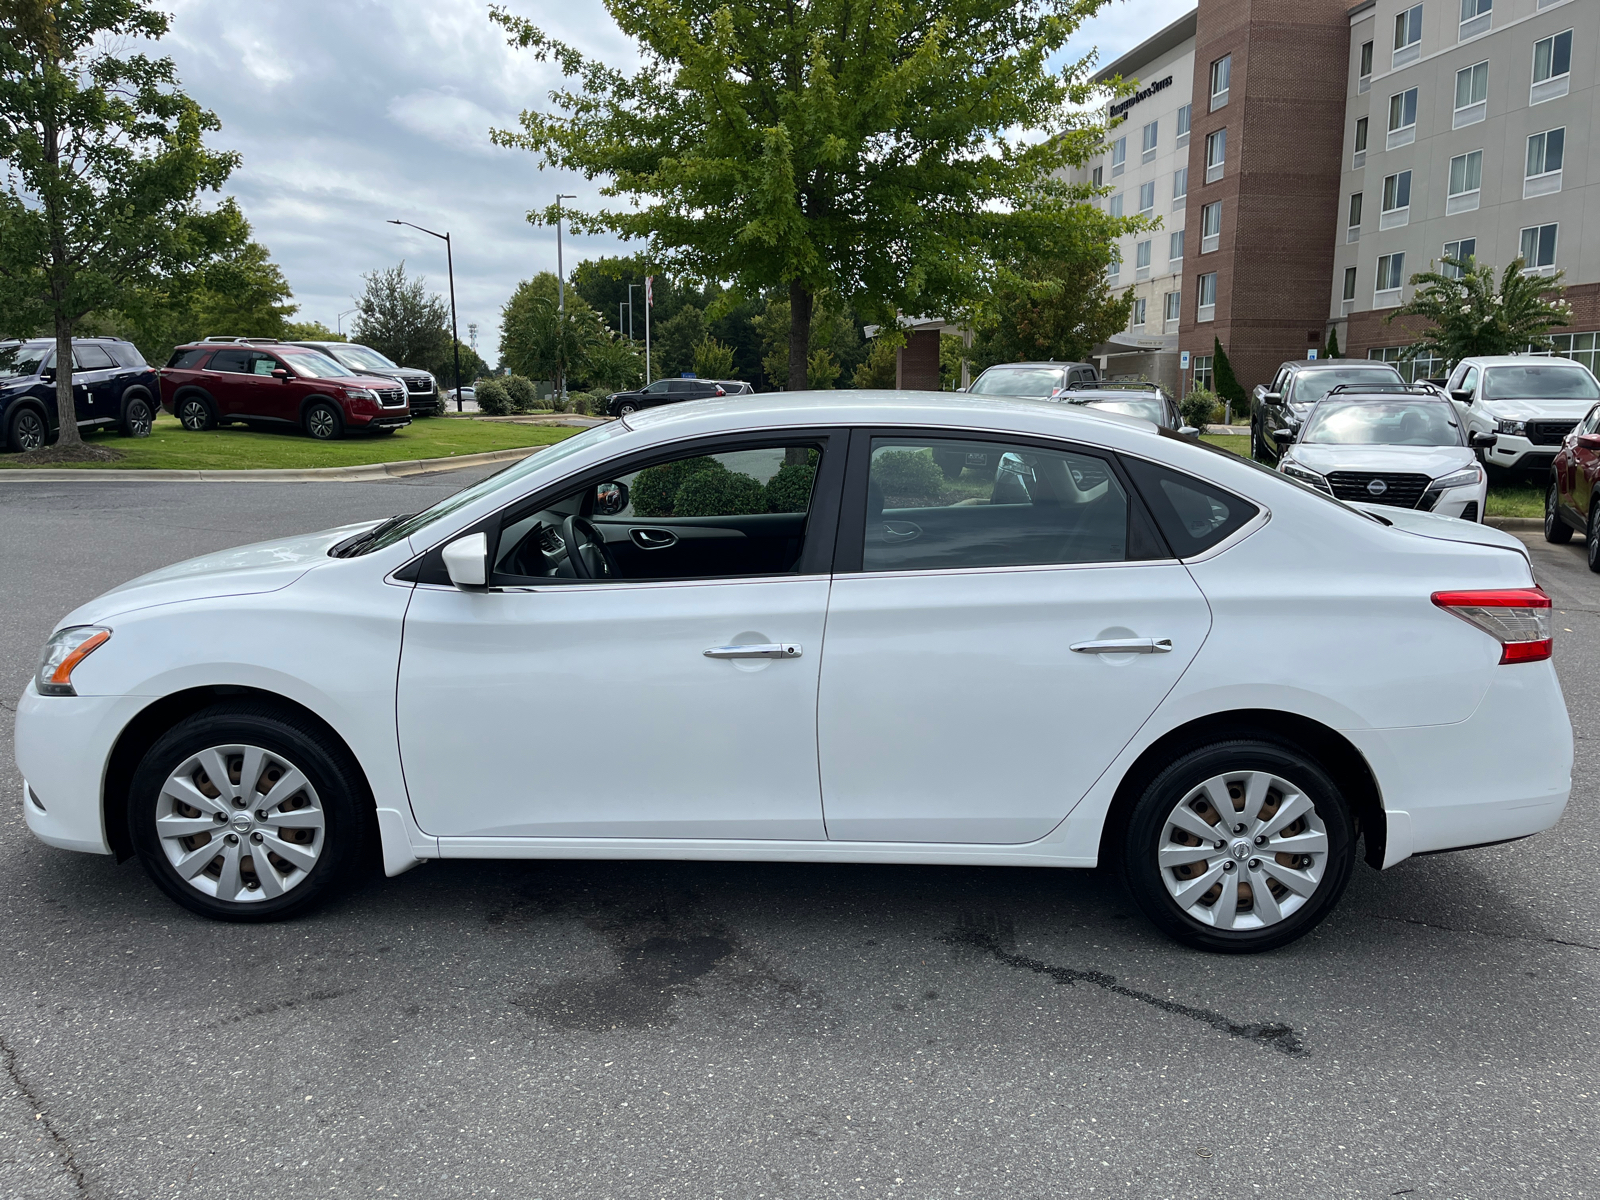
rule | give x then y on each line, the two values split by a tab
1359	158
1388	286
1210	227
1204	285
1545	180
1171	310
1477	18
1542	262
1114	206
1099	176
1352	230
1147	190
1149	140
1203	372
1402	108
1175	242
1119	156
1216	153
1180	186
1221	72
1476	106
1464	188
1347	299
1588	355
1454	250
1141	260
1407	37
1364	69
1554	84
1422	367
1136	315
1395	211
1185	114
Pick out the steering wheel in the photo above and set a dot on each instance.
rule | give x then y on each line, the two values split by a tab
586	550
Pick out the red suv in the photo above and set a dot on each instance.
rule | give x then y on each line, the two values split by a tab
1573	501
268	385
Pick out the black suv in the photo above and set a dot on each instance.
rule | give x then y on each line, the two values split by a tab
663	391
1283	405
112	386
422	389
1145	400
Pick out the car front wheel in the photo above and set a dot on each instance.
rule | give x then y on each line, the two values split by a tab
323	422
247	814
1556	530
27	431
1239	847
627	410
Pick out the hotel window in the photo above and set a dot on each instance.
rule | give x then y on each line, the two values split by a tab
1138	313
1463	251
1141	261
1115	207
1424	366
1396	201
1348	300
1119	156
1580	347
1545	152
1114	267
1174	302
1210	227
1204	379
1147	197
1402	119
1476	16
1175	248
1099	176
1391	280
1150	141
1352	232
1180	184
1206	297
1216	154
1552	68
1360	159
1183	124
1364	82
1407	37
1466	177
1472	95
1539	250
1220	71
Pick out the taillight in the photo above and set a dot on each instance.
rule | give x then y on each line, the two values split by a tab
1517	618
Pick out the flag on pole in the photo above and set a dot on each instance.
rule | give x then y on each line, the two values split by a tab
649	291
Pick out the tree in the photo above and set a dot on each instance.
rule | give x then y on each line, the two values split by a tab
877	370
1055	307
713	359
1229	390
1331	350
311	331
883	153
614	365
444	366
1470	316
399	319
536	340
105	157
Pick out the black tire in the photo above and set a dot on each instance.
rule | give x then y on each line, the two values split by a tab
322	421
348	834
137	418
1141	839
627	408
26	431
1258	449
1556	529
195	413
1592	536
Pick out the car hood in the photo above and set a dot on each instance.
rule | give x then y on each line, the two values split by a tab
242	571
1445	529
1528	410
1432	461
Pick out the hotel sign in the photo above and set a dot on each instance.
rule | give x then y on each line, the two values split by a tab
1123	106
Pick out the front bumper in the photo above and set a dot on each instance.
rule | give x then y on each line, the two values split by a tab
1519	454
63	744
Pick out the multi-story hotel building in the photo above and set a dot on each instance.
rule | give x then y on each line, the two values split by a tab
1332	153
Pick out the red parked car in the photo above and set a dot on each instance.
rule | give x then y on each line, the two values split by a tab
1573	501
266	385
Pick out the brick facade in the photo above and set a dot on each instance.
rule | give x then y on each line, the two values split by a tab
916	364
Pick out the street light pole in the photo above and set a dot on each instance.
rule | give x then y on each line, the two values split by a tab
338	321
631	286
561	293
450	267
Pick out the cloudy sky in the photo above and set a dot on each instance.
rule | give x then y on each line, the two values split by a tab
351	112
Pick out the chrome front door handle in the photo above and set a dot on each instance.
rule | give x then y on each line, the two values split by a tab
1126	646
759	650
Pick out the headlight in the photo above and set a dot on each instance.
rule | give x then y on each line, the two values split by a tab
361	393
1515	428
61	655
1466	477
1295	471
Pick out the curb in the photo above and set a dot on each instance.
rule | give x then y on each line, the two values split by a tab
361	474
1511	523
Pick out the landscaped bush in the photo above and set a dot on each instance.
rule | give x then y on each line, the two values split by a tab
789	491
719	493
524	396
655	489
588	404
908	475
1199	408
494	398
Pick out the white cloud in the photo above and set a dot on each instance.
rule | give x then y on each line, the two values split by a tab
448	120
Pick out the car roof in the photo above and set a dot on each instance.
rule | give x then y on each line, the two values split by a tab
1324	364
1051	363
1518	360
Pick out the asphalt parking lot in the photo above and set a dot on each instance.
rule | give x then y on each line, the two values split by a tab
567	1030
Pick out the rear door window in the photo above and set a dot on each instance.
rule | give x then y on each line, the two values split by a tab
93	358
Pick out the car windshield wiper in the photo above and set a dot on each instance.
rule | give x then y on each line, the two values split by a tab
352	546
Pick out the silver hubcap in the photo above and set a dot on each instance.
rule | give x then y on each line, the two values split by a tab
240	823
139	419
321	421
194	415
1243	851
30	431
628	408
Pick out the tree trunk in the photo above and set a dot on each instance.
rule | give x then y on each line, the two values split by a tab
800	304
66	410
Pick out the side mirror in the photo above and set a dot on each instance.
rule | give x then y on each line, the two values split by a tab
48	375
1463	397
961	389
1189	431
280	374
1589	441
1482	441
466	561
610	498
1283	435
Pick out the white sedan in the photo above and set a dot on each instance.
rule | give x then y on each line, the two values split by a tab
774	629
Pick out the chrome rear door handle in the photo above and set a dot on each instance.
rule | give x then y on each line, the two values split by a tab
1126	646
759	650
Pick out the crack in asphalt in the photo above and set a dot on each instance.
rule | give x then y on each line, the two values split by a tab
1279	1037
1513	937
68	1157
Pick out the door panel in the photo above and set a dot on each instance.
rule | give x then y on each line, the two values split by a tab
680	547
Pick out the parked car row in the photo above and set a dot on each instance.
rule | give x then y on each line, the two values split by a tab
112	388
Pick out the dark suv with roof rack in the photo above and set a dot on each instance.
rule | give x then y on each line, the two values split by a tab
1147	400
267	384
1286	402
112	388
422	389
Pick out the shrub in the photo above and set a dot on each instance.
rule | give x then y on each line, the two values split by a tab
1199	408
494	398
789	491
656	488
589	404
719	493
908	475
524	396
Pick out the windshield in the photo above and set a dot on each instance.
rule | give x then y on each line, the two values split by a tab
360	357
308	364
1547	381
1017	381
1311	386
1382	423
17	361
501	479
1150	410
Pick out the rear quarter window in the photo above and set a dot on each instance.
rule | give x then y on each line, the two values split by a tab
127	355
183	359
1193	515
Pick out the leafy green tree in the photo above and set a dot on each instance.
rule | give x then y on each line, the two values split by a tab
105	159
444	367
614	365
713	359
877	370
1469	315
539	341
311	331
883	153
1331	350
400	319
672	352
1228	389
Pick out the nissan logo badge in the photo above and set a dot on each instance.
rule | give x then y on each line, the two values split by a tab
1377	487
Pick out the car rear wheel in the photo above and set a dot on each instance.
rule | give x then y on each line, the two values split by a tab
1592	537
137	418
195	414
1239	847
1556	530
323	422
27	431
247	814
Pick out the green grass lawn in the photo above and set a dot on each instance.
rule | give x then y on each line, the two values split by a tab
1507	498
171	447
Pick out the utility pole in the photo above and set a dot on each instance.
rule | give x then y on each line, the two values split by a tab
561	295
450	266
649	301
631	286
338	321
